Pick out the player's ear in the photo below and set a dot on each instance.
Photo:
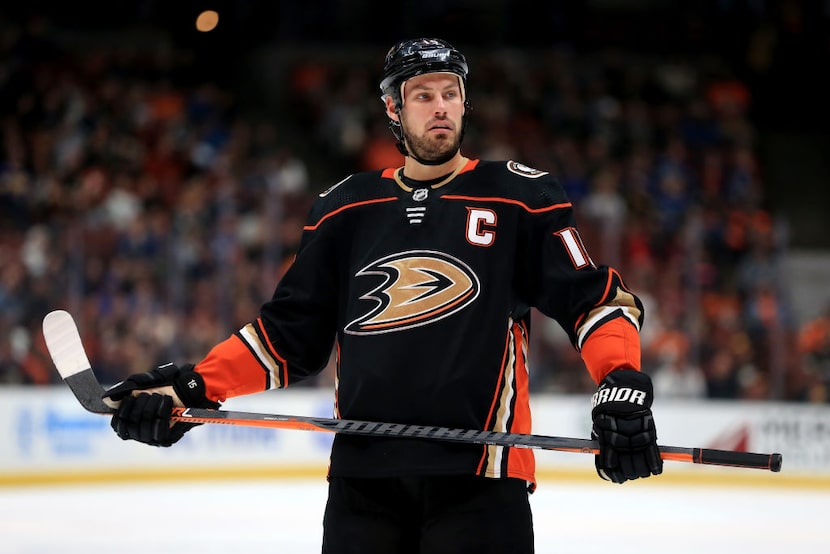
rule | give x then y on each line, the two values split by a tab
390	108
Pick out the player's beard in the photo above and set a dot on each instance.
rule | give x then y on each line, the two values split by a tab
430	150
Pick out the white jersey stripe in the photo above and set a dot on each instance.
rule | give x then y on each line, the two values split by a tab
599	314
252	339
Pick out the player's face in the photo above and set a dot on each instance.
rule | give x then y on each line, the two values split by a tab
431	118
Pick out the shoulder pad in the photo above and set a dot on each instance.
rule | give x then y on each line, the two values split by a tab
510	179
353	190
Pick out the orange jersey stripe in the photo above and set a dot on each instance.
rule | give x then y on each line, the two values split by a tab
521	462
510	413
247	375
284	380
507	201
613	345
469	166
346	207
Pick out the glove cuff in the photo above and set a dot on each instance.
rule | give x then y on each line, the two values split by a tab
190	387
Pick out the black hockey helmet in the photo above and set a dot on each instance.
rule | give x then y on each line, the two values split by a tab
410	58
413	57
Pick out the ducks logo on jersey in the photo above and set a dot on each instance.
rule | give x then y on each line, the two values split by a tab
417	288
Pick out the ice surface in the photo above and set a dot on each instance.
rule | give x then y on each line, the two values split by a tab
285	516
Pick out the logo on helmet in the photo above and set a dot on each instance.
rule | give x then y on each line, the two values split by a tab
442	54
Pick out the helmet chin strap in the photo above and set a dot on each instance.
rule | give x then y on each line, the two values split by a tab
397	131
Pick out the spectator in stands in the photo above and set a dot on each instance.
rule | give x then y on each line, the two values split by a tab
676	376
814	349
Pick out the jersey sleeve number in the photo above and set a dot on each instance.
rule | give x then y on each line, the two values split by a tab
573	245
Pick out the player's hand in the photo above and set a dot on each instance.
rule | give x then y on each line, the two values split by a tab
624	427
146	402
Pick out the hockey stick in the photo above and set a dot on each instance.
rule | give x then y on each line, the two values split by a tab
67	351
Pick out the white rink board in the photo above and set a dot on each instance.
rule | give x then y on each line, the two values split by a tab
45	431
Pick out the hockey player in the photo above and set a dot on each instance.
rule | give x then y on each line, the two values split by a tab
422	278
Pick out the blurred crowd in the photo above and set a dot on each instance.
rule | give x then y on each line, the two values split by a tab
161	214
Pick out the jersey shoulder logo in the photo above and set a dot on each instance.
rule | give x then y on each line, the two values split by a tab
524	171
417	287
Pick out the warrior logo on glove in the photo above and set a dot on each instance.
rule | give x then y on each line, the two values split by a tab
618	394
624	427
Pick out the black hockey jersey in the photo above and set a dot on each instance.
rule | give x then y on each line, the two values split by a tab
424	290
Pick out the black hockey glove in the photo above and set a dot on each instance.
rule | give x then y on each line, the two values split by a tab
146	417
624	427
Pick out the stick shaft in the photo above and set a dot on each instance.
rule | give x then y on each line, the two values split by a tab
770	462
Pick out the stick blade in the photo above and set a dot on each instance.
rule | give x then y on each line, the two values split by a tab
64	344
